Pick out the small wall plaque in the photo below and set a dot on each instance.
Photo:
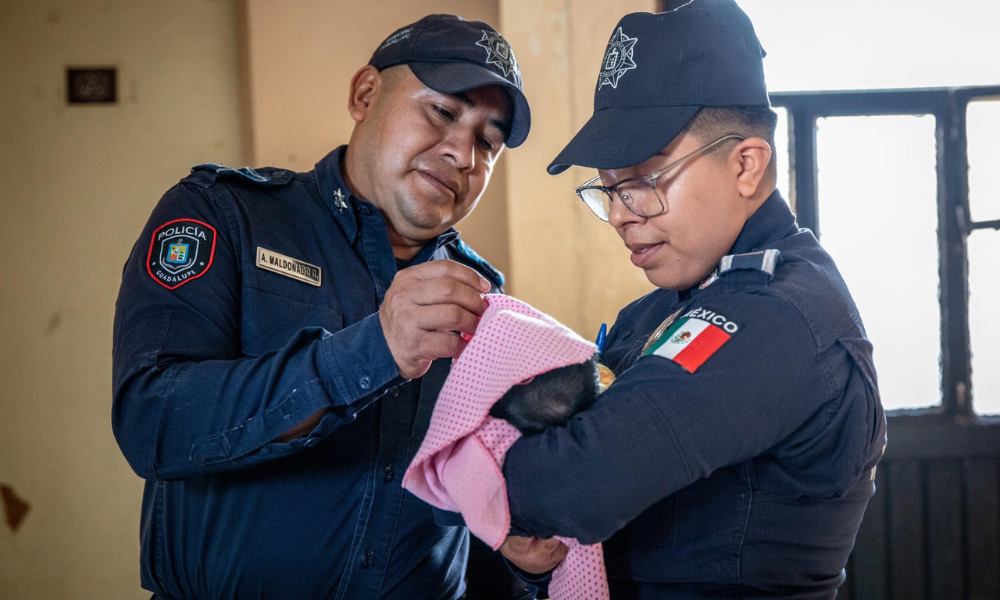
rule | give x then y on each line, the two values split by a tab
91	85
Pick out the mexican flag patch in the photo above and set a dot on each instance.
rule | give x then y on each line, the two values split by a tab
693	338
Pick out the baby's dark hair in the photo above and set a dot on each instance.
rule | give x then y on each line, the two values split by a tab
551	398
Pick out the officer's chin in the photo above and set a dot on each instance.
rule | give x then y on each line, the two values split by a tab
673	281
420	230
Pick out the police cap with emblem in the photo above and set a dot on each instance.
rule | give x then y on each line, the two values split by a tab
451	55
657	71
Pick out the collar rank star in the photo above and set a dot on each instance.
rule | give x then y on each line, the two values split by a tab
180	251
338	200
693	338
289	267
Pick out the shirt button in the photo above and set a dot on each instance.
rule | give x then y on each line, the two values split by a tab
395	392
365	210
367	560
365	382
311	442
388	473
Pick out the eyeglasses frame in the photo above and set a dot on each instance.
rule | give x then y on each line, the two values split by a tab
652	179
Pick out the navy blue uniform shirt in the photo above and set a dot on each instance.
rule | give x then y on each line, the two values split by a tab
735	458
248	304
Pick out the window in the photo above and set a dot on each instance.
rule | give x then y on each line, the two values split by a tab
983	126
883	237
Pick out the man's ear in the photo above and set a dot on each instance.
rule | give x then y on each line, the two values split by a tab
365	87
753	155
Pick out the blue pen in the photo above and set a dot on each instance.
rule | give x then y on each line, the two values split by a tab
601	334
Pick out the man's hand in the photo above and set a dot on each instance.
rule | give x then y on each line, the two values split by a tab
534	555
424	306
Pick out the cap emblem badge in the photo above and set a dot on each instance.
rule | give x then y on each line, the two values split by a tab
617	59
499	54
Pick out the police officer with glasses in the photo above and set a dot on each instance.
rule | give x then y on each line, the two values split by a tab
735	453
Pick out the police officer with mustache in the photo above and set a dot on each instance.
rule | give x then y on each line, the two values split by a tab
280	339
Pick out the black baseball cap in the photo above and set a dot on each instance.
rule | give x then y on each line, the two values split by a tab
450	55
657	71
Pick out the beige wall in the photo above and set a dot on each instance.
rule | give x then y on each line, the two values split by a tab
563	259
76	186
302	55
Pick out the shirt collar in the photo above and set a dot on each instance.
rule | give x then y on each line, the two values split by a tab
772	222
335	193
341	200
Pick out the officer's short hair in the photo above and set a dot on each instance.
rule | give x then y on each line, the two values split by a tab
712	122
391	76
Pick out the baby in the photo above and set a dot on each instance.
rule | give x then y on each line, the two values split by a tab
550	398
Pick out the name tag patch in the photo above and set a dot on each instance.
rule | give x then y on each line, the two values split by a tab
181	250
694	337
289	267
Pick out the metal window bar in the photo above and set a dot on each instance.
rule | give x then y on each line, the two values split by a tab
948	105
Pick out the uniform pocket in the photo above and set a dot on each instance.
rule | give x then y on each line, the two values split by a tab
269	320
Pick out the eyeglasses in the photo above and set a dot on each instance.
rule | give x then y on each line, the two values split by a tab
638	194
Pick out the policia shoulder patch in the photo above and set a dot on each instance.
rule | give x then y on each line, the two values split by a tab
181	250
693	338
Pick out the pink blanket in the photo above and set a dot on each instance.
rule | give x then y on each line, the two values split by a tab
459	464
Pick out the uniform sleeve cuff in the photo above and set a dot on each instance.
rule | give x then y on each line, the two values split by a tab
358	361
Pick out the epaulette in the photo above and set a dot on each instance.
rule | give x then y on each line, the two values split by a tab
764	261
478	262
265	176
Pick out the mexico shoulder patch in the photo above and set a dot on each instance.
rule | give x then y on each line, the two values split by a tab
694	337
180	251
